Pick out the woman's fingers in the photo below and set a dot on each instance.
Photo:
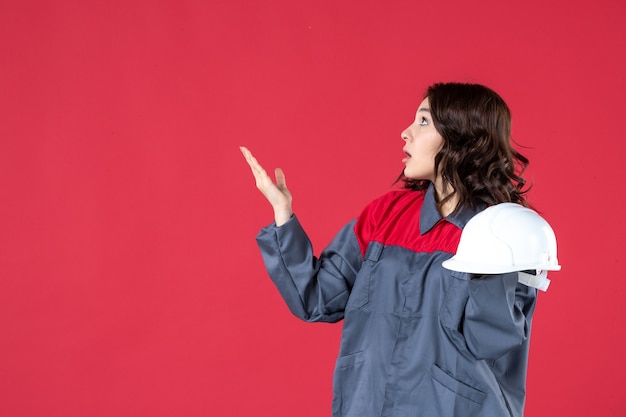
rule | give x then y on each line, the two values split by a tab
260	175
276	193
263	181
252	162
280	179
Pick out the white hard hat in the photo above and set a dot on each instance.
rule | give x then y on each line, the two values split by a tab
506	237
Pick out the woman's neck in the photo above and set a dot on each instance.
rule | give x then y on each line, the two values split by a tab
441	192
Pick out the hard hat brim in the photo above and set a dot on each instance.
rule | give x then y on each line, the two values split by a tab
476	268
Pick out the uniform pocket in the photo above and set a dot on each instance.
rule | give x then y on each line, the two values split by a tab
359	295
443	395
453	306
350	389
350	360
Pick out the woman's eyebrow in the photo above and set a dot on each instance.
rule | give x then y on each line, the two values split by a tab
424	109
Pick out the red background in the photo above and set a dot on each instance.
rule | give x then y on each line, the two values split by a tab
130	280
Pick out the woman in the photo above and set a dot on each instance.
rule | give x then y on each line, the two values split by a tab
418	340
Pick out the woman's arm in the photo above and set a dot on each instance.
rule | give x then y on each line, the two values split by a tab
315	289
498	314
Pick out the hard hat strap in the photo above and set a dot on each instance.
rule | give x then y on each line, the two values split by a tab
535	278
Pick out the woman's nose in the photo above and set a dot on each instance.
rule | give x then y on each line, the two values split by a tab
405	135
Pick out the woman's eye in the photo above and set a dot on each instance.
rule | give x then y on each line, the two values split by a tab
423	122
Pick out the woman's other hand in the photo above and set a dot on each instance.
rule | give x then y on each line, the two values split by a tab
276	193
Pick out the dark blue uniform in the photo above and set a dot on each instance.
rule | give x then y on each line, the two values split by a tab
418	340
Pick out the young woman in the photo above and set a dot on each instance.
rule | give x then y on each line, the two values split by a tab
418	340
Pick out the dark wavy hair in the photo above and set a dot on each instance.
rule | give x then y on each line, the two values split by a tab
476	160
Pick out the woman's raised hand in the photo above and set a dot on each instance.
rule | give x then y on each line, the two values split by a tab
277	194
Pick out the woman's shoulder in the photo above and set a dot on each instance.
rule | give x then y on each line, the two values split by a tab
394	201
397	207
394	197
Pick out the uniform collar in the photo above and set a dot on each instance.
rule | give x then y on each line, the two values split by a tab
430	216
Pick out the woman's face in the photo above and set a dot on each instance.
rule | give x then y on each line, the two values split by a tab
422	143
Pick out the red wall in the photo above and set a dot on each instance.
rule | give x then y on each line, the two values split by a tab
130	282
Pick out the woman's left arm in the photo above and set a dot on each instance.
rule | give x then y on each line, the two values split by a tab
498	314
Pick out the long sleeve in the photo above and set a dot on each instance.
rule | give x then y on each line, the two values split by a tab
497	315
315	289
